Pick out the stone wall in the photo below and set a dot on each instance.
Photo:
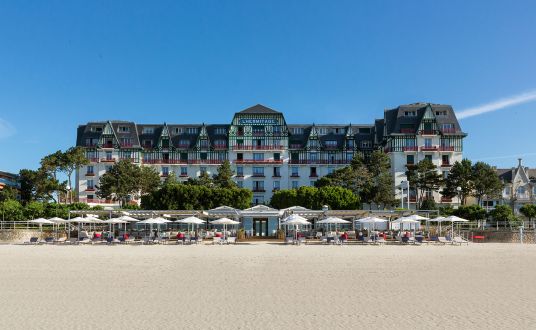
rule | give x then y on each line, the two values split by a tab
21	235
505	236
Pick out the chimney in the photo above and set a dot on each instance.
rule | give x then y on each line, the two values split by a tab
520	161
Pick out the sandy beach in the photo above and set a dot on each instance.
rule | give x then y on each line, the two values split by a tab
268	286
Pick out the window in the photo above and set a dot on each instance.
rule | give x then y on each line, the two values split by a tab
294	184
219	143
507	191
203	143
191	130
240	156
258	130
183	143
258	156
312	183
239	171
165	171
90	170
349	143
297	130
295	171
410	160
90	184
91	142
147	143
447	126
277	156
258	200
258	185
331	170
429	157
276	130
313	143
184	171
184	156
125	142
445	174
90	197
178	130
277	171
277	185
96	128
202	170
409	142
440	113
312	172
203	155
322	131
428	143
258	171
330	144
147	130
445	160
221	130
109	155
410	113
124	129
521	190
107	168
366	144
313	156
349	156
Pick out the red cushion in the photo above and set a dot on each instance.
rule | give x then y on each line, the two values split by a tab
125	236
97	235
180	235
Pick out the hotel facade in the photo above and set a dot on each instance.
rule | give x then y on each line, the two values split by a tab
267	154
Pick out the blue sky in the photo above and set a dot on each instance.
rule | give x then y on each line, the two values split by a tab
64	63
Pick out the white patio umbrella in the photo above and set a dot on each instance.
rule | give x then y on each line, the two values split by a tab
454	219
58	221
333	220
127	218
439	220
41	222
416	217
111	222
295	220
224	222
372	220
191	220
156	221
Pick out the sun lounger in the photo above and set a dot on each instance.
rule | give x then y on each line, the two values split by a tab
443	240
33	241
61	240
85	240
289	240
231	240
217	240
380	241
459	240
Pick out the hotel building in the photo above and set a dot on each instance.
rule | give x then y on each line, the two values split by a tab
266	153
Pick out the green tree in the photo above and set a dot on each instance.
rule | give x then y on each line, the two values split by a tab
424	177
379	188
502	213
121	182
34	210
529	210
37	185
337	198
224	177
428	204
149	180
285	198
8	193
460	176
11	210
486	182
470	212
72	160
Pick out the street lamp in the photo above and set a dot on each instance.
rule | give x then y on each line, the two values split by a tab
459	190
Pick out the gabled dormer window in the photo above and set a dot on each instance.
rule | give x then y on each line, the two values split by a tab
124	129
322	131
441	113
330	143
220	130
147	143
410	113
178	130
96	129
191	130
147	130
297	130
366	144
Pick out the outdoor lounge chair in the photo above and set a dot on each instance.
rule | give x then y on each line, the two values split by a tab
48	240
33	241
289	240
443	240
217	240
61	240
459	240
85	240
302	240
231	240
380	241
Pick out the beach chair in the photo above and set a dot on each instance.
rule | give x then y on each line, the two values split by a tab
459	240
61	240
147	241
443	240
231	240
33	241
72	241
85	240
289	240
302	240
48	240
199	240
380	241
217	240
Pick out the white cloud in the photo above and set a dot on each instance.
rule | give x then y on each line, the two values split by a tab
6	129
498	105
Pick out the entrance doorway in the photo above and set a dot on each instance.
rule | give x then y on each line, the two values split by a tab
260	227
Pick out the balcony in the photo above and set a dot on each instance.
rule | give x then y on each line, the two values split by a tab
130	159
294	175
275	176
313	176
205	161
258	189
257	161
90	189
334	161
264	147
107	160
96	201
164	175
429	148
220	147
413	199
446	199
410	148
445	164
295	146
257	175
108	145
93	159
90	174
407	130
427	132
126	145
183	175
331	147
91	144
446	148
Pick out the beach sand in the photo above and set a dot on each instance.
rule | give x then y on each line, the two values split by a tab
268	286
